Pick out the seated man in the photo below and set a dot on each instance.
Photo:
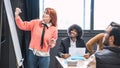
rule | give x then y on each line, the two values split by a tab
109	57
97	39
73	40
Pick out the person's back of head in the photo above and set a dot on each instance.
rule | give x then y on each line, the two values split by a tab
116	33
109	56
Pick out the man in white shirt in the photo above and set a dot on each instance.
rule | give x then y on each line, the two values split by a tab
73	40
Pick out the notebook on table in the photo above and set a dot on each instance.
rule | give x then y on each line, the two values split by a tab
77	51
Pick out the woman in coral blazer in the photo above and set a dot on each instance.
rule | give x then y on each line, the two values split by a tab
43	37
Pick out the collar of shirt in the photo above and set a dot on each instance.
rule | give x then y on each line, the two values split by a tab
72	43
48	24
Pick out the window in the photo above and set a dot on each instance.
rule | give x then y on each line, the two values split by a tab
69	12
106	11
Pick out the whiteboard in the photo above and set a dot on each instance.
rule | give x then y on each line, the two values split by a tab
13	32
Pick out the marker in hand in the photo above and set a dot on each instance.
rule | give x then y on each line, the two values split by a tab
17	11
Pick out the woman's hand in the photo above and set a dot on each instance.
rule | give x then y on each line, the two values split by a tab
52	42
17	12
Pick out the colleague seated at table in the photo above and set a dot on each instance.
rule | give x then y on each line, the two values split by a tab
96	40
109	57
74	39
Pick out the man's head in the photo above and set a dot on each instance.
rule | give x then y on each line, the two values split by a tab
112	35
75	31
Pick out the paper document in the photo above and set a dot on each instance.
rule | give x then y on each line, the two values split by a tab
77	51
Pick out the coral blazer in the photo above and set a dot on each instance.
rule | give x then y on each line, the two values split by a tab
35	26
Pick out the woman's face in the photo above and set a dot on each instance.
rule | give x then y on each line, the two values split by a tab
46	18
73	33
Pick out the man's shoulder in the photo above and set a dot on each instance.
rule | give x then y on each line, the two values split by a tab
103	52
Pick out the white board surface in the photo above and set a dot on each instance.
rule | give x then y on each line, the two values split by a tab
13	31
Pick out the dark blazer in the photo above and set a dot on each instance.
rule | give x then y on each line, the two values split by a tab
65	44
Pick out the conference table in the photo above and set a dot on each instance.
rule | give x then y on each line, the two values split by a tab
63	63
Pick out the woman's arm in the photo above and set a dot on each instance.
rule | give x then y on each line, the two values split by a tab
52	41
23	25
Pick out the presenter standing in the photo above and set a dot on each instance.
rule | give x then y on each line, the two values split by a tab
44	34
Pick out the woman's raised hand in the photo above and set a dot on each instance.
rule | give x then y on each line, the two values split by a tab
17	12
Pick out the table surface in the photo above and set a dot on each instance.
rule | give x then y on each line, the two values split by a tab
63	62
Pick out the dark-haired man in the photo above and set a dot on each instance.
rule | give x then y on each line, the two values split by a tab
97	39
73	40
109	57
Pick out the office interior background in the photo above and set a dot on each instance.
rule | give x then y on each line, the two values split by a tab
81	12
92	15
